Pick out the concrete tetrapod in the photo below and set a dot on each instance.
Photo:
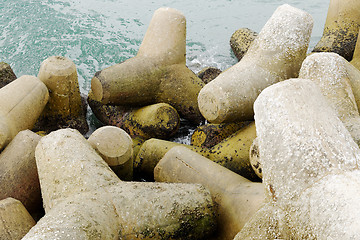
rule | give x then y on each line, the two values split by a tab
352	74
21	103
18	173
310	167
341	28
275	55
236	198
232	153
115	146
157	73
84	199
15	221
157	120
329	72
65	107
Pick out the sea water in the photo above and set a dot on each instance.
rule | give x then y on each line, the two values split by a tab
96	34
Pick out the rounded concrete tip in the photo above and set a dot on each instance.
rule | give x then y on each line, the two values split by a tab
167	116
113	144
58	66
210	106
168	10
96	89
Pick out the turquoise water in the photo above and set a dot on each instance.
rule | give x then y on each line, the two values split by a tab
98	33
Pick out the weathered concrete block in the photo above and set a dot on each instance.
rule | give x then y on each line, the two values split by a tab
154	121
356	57
341	28
84	199
267	223
115	146
308	137
6	74
65	108
22	102
330	73
211	134
310	167
157	73
15	221
241	40
208	74
137	143
354	77
236	198
255	160
18	173
232	153
275	55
